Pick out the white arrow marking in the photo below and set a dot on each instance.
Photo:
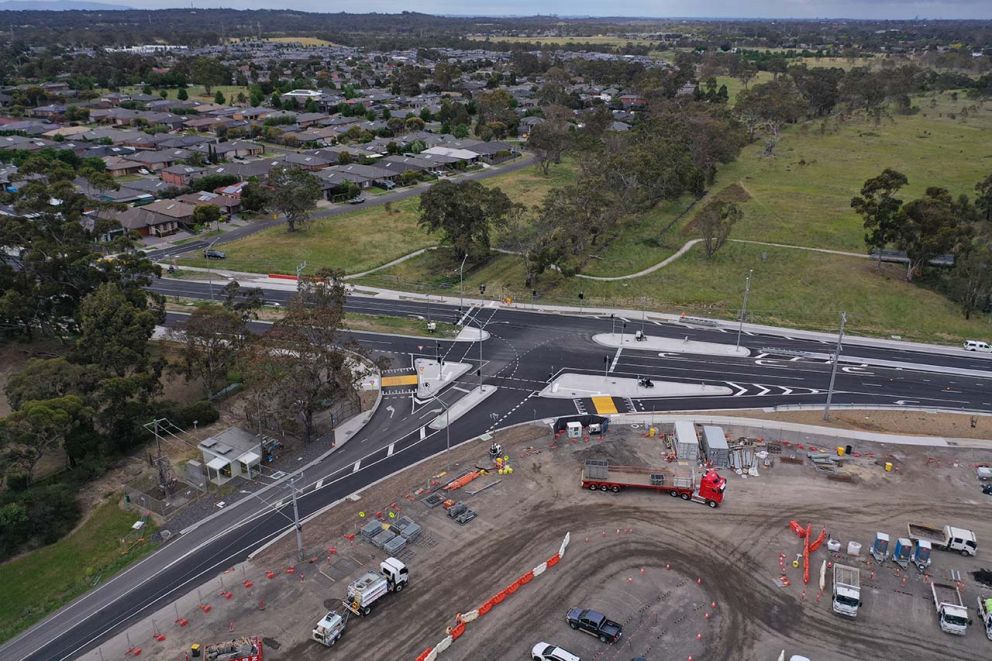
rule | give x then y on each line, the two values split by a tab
767	363
786	391
761	355
764	390
741	389
391	411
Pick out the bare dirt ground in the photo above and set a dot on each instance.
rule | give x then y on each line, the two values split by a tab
952	425
656	564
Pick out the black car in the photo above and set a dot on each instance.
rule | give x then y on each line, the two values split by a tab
214	254
594	623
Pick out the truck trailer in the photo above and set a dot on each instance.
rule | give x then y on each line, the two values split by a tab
847	590
330	628
947	538
985	611
246	648
952	614
599	475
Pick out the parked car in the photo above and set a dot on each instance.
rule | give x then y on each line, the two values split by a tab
360	199
214	254
546	652
595	624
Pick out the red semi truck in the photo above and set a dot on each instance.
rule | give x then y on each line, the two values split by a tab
599	475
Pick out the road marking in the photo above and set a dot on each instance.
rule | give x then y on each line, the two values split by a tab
319	484
604	404
423	432
741	389
358	466
616	358
403	380
389	450
468	313
764	390
786	391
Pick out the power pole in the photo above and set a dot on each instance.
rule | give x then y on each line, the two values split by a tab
747	292
299	271
296	519
833	368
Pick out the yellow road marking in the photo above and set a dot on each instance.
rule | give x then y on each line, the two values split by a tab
401	380
604	404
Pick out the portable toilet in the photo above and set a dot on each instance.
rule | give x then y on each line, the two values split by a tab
686	441
880	547
921	554
903	552
574	429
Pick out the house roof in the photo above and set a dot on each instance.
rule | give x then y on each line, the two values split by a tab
171	208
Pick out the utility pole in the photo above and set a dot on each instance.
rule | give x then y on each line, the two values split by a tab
833	368
606	366
747	292
296	519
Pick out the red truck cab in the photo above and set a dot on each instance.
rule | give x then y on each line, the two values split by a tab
712	486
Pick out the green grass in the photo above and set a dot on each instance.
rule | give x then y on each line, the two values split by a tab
608	39
197	92
366	238
42	581
735	86
802	195
790	288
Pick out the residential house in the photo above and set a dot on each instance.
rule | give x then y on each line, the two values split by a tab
245	170
121	167
180	176
159	159
225	203
180	212
141	221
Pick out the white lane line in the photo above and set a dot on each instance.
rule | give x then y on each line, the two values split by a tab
423	432
468	313
616	358
319	484
358	466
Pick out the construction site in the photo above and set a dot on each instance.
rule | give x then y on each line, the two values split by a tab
447	561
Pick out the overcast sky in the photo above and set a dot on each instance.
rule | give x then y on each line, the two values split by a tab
695	8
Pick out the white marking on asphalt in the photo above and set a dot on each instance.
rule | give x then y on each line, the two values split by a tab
423	433
319	484
358	466
764	390
616	358
468	313
389	450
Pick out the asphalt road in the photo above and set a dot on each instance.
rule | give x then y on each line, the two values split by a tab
525	351
394	195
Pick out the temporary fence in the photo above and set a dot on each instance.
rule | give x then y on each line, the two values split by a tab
456	631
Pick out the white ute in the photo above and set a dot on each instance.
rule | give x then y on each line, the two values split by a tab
546	652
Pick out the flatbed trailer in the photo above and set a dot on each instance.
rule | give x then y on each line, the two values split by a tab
601	476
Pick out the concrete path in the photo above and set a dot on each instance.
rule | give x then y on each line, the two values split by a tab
668	345
781	429
651	269
398	260
472	399
571	386
432	378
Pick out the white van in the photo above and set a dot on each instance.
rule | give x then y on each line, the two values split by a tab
975	345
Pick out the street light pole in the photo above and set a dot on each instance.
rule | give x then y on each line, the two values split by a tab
461	280
833	368
606	366
747	292
296	519
447	422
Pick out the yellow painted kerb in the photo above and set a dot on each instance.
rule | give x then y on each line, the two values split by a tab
604	404
401	380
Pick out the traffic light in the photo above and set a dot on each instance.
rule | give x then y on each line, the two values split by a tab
482	289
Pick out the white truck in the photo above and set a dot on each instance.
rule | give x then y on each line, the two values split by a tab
392	576
330	628
847	590
947	538
985	610
952	614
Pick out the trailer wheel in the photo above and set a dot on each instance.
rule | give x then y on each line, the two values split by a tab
673	494
684	496
711	504
615	488
366	610
603	487
592	487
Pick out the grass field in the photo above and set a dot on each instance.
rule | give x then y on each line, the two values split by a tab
609	39
802	195
197	93
367	238
789	287
42	581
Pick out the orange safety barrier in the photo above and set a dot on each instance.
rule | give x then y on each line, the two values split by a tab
553	560
462	481
526	578
798	529
498	599
282	276
457	631
426	653
486	607
512	587
815	544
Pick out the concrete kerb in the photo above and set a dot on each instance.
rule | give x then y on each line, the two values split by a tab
355	423
462	406
668	344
